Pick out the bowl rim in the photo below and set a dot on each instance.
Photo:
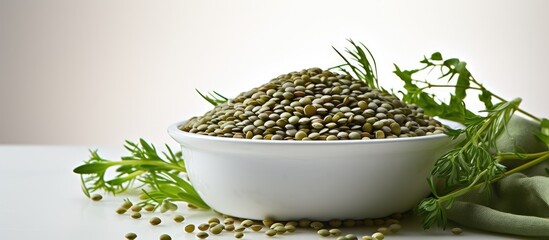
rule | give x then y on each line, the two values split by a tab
174	130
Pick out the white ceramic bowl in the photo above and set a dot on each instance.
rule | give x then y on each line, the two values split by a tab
321	180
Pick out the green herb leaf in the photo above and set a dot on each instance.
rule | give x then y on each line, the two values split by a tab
85	190
213	98
90	168
486	98
362	64
436	56
543	134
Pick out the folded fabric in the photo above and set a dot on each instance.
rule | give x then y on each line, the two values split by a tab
517	204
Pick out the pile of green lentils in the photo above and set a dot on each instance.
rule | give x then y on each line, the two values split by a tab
314	104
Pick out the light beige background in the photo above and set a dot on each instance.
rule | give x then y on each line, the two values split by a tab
99	72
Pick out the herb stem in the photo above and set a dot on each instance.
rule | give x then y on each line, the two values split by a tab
502	99
148	163
519	109
479	88
130	176
518	156
544	156
430	85
524	166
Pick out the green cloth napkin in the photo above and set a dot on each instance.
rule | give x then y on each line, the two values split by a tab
518	203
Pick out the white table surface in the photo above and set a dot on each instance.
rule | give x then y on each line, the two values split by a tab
40	198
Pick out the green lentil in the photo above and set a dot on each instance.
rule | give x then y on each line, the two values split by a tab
367	127
280	230
378	236
178	218
378	124
127	204
229	227
456	231
240	229
420	132
290	228
309	110
293	223
362	105
121	210
270	232
300	135
268	222
274	225
316	225
351	237
335	232
380	134
355	135
395	227
367	238
216	229
238	235
149	208
383	230
323	232
228	221
247	223
304	223
96	197
202	235
136	208
256	227
293	120
214	219
131	236
136	215
189	228
332	137
341	238
165	237
317	125
203	227
155	221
